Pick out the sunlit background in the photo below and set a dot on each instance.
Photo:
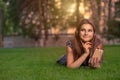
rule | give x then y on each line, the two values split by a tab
43	21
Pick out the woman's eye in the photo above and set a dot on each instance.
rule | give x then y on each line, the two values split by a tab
82	29
89	30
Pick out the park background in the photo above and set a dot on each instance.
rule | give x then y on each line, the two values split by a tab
33	35
28	23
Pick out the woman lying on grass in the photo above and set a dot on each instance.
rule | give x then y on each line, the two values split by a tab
85	49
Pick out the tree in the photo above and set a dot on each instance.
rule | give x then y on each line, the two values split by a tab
2	12
10	17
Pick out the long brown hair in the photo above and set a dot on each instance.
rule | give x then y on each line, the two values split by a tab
77	45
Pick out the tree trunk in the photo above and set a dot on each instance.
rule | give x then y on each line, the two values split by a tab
77	11
95	13
1	27
43	20
103	17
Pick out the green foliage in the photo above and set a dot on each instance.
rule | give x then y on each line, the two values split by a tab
10	17
8	26
2	5
114	28
31	32
3	9
40	64
13	14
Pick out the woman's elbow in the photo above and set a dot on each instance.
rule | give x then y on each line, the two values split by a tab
72	67
69	66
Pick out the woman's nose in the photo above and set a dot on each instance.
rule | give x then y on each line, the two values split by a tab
86	32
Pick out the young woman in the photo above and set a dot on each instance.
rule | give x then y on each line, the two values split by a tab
85	49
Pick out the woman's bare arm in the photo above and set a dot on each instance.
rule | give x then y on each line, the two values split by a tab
70	59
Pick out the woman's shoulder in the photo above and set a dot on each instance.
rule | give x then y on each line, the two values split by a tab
98	39
98	42
69	43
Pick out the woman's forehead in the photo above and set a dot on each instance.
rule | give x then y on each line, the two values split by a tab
87	26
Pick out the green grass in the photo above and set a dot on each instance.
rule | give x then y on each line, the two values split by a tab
40	64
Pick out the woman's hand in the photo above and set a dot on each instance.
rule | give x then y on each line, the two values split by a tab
87	46
95	60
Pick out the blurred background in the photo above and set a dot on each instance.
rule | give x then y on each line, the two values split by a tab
46	23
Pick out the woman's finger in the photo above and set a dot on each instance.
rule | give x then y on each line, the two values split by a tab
95	60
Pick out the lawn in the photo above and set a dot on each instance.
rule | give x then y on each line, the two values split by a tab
40	64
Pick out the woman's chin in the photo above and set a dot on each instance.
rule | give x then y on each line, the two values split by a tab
86	40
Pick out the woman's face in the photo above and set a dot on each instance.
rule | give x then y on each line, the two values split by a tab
86	32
